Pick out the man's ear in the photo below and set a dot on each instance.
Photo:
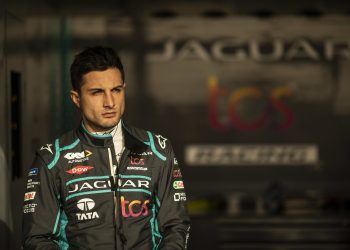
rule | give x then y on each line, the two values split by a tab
74	95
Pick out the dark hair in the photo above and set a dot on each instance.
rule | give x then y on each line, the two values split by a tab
93	59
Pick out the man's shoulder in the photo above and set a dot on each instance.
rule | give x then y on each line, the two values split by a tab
49	150
137	132
154	139
160	141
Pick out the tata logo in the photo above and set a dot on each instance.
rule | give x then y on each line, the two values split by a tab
178	184
136	160
78	155
86	205
79	169
134	208
29	196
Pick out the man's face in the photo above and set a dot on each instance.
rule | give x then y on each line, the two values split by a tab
101	99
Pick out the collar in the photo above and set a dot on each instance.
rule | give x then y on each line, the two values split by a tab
132	141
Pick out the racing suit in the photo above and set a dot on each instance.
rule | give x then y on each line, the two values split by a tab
79	197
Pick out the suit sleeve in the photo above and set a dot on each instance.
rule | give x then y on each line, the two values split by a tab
173	219
40	208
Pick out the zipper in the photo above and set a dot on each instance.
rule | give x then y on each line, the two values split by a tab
119	216
114	176
113	172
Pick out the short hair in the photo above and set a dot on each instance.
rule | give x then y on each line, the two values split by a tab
93	59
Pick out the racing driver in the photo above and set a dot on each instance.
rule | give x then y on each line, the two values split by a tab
104	185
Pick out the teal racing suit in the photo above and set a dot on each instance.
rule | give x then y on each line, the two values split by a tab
79	197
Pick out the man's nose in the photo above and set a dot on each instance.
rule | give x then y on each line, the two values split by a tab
108	100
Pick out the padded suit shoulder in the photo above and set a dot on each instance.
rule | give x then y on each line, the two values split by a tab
50	152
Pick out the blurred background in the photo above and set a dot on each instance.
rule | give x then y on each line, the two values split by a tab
254	95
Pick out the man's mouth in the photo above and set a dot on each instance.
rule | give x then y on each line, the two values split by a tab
109	114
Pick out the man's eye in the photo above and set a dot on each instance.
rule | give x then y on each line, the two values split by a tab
117	90
96	92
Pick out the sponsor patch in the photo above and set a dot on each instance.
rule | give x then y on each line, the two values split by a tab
29	196
161	141
178	184
84	186
33	171
136	168
86	205
79	169
132	183
180	197
134	208
31	183
77	155
29	208
47	147
106	184
74	157
177	173
137	160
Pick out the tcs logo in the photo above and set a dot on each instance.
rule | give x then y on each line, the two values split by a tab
136	160
235	99
134	208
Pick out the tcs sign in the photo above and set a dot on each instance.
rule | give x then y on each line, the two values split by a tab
237	119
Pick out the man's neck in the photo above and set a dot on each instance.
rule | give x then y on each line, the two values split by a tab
110	131
106	132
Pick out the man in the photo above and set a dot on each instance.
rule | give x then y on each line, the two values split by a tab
105	185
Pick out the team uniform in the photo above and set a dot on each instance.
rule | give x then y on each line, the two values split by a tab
80	196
